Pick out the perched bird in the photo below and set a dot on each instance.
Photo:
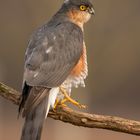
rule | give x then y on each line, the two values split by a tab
55	61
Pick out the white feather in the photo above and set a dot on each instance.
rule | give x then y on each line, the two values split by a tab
51	99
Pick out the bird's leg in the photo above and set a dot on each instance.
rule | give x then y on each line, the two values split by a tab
57	102
64	100
68	98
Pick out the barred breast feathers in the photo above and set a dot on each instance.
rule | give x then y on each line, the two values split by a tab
78	74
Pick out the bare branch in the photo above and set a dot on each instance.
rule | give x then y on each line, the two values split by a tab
68	115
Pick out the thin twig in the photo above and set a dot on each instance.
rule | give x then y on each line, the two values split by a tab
77	118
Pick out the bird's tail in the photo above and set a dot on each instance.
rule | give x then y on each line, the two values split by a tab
34	122
34	106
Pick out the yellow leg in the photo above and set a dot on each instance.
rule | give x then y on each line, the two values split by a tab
68	98
57	102
63	101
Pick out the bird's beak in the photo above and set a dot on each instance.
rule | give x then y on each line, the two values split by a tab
91	11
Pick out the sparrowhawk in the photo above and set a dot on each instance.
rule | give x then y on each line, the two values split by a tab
55	61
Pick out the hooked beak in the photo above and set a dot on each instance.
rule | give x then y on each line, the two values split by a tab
91	11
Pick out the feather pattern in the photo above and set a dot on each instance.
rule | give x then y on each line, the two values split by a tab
33	107
75	80
56	56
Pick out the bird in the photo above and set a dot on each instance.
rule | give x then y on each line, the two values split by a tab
55	62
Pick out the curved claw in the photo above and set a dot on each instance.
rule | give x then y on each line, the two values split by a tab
82	106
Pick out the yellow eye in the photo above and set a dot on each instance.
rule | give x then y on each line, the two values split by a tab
83	7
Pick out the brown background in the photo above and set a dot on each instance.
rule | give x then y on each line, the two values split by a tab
113	44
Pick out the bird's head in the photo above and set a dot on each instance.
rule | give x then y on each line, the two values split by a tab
78	11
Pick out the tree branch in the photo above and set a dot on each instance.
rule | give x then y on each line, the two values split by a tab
77	118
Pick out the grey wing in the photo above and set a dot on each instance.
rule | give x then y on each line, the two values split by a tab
52	54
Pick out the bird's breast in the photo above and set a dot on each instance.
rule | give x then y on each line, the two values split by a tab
81	66
78	73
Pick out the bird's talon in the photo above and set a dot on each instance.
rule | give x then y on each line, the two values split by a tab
82	106
68	98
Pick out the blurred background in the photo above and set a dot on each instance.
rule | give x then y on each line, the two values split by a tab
113	45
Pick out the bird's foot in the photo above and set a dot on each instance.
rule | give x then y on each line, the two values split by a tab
57	102
69	99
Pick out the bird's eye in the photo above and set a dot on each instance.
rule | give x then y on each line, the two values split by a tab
83	7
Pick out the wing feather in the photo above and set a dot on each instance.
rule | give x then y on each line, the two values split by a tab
52	54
